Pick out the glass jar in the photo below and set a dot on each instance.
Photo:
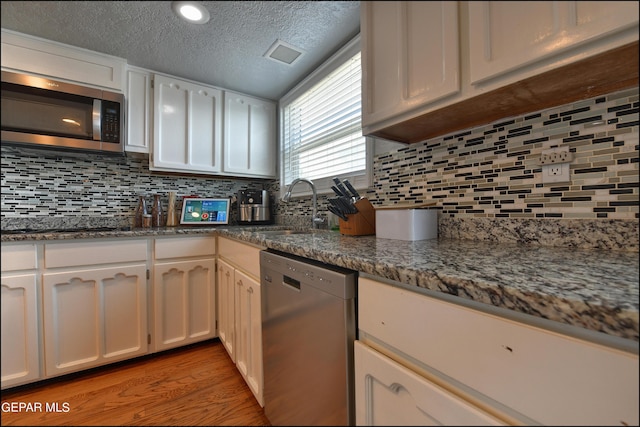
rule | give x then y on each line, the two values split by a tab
156	212
141	210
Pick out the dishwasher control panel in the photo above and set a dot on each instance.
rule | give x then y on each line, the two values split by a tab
295	271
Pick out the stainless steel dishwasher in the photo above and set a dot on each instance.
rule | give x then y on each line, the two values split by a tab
308	330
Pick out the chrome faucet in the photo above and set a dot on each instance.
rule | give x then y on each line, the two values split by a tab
315	220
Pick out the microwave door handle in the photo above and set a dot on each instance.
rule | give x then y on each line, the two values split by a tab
97	119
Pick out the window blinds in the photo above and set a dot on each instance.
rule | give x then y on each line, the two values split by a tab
322	131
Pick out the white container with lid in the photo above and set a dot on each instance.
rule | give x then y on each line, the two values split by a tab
402	222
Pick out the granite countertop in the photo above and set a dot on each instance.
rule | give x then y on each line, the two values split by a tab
592	289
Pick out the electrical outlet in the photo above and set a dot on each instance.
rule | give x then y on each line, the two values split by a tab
556	155
555	172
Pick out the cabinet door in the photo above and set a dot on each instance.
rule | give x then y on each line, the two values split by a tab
61	61
409	56
387	393
509	35
20	341
249	136
187	133
138	110
548	377
226	307
93	317
249	332
243	255
184	302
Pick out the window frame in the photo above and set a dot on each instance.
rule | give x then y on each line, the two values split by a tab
360	180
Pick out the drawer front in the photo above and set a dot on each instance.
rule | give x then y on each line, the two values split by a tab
182	247
389	394
243	255
551	378
18	257
95	252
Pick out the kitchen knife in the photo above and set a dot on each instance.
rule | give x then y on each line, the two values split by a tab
334	202
338	192
347	206
344	191
353	191
338	213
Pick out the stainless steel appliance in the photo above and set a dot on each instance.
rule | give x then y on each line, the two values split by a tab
41	112
308	331
254	207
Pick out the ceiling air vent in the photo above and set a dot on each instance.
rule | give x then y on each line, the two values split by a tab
283	52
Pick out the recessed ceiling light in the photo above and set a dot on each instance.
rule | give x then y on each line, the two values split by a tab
191	11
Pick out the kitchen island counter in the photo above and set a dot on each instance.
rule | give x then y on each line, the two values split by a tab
596	290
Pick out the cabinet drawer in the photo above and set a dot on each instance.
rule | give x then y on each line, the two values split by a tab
387	393
243	255
551	378
88	253
18	257
181	247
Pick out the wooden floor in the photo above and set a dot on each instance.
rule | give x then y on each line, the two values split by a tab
194	385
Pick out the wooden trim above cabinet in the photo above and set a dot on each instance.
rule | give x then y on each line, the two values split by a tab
607	72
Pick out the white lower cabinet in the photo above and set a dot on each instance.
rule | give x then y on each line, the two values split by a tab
20	316
184	307
226	308
239	305
94	304
20	341
249	332
387	393
422	360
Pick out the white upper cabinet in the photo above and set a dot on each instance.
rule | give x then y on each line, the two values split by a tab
187	133
508	35
249	136
178	122
410	56
433	68
139	95
34	55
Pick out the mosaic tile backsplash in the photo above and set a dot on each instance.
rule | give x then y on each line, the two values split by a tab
487	180
83	190
494	171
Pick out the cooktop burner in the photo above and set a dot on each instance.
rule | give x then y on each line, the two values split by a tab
64	230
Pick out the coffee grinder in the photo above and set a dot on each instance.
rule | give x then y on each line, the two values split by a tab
254	207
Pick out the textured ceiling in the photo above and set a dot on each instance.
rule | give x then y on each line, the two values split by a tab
226	52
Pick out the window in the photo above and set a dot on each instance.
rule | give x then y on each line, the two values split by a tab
321	130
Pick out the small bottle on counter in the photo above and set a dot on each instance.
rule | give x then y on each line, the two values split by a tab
146	221
156	212
141	210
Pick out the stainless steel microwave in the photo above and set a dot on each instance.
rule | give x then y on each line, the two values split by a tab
38	111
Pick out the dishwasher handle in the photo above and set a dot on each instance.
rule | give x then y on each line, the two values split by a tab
291	282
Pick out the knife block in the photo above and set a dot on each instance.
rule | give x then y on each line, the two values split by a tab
361	223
